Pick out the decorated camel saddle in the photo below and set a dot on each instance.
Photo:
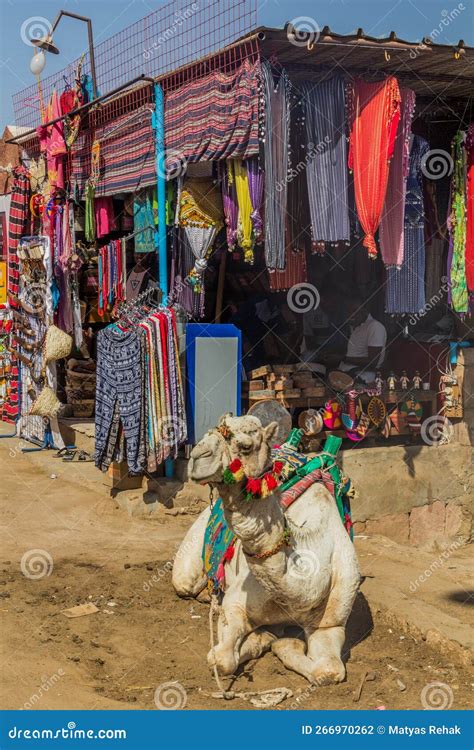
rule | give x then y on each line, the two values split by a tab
291	473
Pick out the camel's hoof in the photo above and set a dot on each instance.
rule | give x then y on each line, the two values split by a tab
226	663
328	672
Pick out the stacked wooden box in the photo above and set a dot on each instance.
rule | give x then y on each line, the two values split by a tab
282	382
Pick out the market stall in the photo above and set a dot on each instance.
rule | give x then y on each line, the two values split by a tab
324	211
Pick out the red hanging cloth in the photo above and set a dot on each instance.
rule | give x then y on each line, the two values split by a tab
469	252
374	114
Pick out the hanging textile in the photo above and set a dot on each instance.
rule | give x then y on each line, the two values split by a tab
120	402
89	222
140	410
229	203
256	179
32	318
17	224
469	254
393	216
294	273
111	277
244	227
200	218
52	143
457	228
405	291
277	133
127	155
213	117
104	216
298	235
326	159
74	100
374	114
144	219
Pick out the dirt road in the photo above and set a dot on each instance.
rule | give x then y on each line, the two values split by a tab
143	636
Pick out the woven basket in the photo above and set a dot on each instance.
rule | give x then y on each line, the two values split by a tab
46	405
83	408
57	344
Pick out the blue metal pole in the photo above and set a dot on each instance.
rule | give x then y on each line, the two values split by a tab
160	236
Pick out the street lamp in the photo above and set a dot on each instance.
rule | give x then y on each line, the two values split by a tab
46	43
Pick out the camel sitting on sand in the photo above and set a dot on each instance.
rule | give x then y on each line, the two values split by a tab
310	582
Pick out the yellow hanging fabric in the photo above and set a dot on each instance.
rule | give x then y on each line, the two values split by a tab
244	232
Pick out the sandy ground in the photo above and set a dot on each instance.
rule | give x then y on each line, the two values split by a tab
143	636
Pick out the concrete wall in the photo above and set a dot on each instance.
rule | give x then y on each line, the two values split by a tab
413	494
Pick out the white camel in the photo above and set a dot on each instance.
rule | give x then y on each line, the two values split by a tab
312	583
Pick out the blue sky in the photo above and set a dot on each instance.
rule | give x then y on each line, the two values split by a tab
411	19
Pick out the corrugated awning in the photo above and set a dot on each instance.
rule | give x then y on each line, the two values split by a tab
435	71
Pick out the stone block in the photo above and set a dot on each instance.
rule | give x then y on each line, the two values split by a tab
393	526
458	523
427	522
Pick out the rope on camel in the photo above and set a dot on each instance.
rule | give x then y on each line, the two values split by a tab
258	698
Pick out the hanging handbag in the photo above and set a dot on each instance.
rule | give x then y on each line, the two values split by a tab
57	344
46	405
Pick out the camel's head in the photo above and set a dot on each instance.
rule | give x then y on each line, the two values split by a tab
234	437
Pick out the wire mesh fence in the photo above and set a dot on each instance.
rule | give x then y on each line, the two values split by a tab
173	36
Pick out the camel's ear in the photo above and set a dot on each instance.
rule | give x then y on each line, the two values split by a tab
270	432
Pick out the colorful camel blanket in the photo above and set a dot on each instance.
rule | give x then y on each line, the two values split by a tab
219	540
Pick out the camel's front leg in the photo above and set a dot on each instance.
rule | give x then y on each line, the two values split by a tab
324	650
232	627
325	641
291	652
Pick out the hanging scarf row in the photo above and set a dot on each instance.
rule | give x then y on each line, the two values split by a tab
140	411
112	281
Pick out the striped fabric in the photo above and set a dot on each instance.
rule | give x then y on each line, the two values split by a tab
326	156
17	225
127	155
277	133
214	117
294	272
17	222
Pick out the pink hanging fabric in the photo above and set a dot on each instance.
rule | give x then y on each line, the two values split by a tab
391	233
375	113
104	216
52	142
